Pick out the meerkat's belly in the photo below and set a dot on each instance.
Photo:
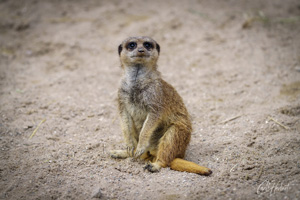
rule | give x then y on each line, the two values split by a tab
138	115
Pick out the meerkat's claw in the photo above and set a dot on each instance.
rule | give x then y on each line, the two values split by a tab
139	152
130	151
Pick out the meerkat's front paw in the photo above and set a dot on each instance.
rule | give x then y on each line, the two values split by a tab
139	152
141	149
130	151
131	146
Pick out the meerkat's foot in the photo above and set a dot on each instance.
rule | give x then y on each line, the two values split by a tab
119	154
152	167
155	166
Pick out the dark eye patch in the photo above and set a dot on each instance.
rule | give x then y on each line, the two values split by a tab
120	49
148	45
158	48
131	45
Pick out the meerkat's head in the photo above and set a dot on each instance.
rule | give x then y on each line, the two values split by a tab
139	50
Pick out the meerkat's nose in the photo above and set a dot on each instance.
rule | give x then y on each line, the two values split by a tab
141	50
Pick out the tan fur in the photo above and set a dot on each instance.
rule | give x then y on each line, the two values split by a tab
154	120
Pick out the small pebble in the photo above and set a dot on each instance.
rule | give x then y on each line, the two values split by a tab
97	194
26	127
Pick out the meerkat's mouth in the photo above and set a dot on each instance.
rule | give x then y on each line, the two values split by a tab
140	56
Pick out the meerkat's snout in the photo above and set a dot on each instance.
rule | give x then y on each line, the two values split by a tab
141	50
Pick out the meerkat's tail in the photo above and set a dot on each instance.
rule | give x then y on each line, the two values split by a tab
187	166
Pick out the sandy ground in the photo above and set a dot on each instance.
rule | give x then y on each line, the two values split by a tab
236	64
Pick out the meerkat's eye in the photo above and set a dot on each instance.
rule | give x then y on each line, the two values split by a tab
148	45
131	45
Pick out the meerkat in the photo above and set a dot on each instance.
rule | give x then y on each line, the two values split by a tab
154	120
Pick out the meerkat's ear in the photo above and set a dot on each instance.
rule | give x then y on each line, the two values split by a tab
158	47
120	49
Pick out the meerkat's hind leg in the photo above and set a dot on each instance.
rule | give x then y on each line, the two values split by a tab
119	154
168	149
